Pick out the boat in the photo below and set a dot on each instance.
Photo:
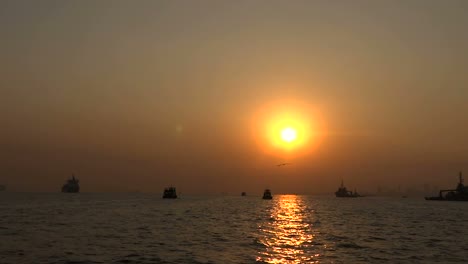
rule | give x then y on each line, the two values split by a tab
343	192
243	194
267	195
71	186
458	194
170	193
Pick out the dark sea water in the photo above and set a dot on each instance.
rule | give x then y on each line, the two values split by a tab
143	228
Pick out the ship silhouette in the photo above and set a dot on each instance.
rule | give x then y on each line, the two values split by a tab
170	193
267	195
458	194
71	186
343	192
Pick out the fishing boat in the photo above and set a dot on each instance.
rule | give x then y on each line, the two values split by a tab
267	195
170	193
343	192
71	185
460	193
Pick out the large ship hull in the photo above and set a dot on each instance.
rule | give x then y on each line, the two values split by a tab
437	198
66	189
347	196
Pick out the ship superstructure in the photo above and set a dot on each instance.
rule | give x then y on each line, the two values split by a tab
72	185
267	195
170	193
458	194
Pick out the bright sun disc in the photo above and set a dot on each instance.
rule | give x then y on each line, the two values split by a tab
288	134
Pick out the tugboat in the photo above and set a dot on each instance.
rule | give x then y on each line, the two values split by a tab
243	194
267	195
71	186
459	194
170	193
343	192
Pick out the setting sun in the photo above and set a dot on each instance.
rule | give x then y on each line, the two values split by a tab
288	134
287	127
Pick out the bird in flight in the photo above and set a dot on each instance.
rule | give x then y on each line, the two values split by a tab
282	164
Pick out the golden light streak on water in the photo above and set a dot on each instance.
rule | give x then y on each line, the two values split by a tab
287	233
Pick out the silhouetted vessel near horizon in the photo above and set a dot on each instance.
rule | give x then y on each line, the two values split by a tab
343	192
243	194
71	186
170	193
458	194
267	195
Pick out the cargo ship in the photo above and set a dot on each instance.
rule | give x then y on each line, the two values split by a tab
343	192
460	193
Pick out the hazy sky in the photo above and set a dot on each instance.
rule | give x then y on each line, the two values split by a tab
138	95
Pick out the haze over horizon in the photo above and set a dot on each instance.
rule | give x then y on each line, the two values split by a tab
139	95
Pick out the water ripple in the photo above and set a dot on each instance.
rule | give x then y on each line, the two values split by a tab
143	228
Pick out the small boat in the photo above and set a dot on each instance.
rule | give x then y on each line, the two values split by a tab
267	195
71	186
458	194
343	192
243	194
170	193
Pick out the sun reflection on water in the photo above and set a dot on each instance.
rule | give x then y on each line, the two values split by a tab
287	234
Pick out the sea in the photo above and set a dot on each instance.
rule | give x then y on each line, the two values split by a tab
144	228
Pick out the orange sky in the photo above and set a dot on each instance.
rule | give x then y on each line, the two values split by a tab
139	95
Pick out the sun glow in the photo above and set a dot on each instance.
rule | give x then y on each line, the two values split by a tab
287	127
288	134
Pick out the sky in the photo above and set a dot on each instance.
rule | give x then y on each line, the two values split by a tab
139	95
